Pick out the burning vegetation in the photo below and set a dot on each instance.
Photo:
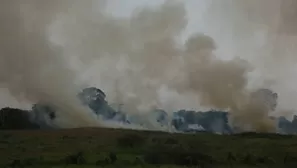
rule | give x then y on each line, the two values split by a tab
43	116
48	48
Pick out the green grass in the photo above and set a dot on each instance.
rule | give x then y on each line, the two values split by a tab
143	148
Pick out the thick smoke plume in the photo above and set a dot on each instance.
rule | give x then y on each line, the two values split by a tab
33	68
263	32
146	57
134	59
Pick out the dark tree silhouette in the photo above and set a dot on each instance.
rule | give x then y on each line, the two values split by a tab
16	119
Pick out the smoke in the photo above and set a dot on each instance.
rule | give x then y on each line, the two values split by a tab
134	59
31	67
136	48
263	32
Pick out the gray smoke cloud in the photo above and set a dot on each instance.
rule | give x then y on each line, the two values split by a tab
33	68
136	48
263	32
135	59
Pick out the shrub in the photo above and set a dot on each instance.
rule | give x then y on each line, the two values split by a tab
112	157
103	162
231	157
77	159
193	159
130	140
30	161
265	160
290	158
178	158
249	159
138	161
153	158
171	141
15	119
15	164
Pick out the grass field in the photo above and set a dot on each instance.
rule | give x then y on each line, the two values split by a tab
97	147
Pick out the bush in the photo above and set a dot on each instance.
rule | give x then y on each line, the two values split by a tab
30	161
193	159
77	159
290	158
15	164
263	135
250	159
15	119
171	141
112	157
153	158
231	157
178	158
103	162
130	140
138	161
265	160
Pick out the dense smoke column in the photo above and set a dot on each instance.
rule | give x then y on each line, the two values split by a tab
288	15
142	50
145	52
267	97
31	67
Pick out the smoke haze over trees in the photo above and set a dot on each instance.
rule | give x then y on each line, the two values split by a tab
43	116
48	47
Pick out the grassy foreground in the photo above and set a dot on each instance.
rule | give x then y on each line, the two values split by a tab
97	147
